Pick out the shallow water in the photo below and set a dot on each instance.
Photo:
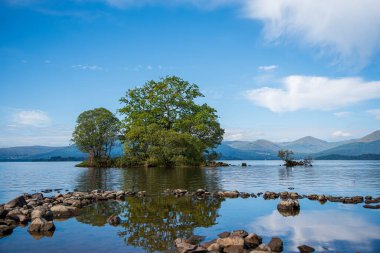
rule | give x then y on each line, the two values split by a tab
151	224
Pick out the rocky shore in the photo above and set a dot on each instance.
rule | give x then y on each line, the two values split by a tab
238	241
41	211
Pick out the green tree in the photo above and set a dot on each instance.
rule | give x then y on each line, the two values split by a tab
164	126
96	132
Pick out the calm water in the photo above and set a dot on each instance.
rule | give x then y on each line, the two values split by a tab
152	224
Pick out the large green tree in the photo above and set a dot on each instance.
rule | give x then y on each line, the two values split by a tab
96	132
165	126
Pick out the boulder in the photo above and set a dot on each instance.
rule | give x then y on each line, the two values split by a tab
3	212
184	247
41	225
60	211
224	234
252	241
270	195
288	204
276	244
114	220
231	194
305	249
261	248
16	202
214	247
42	212
5	230
195	239
240	233
232	244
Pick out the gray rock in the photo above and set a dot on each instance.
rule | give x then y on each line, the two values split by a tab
184	247
60	211
16	202
41	225
232	244
276	244
114	220
305	249
42	212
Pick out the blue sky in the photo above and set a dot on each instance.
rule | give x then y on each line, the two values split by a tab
276	70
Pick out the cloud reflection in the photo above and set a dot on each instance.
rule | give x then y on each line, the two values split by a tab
319	228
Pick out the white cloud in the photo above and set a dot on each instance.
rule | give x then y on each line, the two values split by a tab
339	134
87	67
36	118
341	114
375	112
268	68
347	28
314	93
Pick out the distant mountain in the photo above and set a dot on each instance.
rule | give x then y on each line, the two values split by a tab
24	152
367	147
352	149
375	136
309	145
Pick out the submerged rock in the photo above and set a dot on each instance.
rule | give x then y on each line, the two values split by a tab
41	225
19	201
114	220
183	246
305	249
276	244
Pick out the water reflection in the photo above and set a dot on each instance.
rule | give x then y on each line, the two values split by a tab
154	223
331	229
152	180
287	213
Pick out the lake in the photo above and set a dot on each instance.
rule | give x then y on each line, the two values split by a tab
151	224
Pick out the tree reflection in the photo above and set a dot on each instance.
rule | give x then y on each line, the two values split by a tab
154	223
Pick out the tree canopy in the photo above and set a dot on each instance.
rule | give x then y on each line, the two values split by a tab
96	132
164	126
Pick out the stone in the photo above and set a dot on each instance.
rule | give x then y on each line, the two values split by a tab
261	248
245	195
41	225
114	220
42	212
224	234
37	196
240	233
214	247
252	241
5	230
182	246
3	212
270	195
16	202
60	211
244	164
288	204
195	239
208	244
232	244
305	249
231	194
276	244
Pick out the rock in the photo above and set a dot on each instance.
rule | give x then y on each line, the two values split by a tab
214	247
261	248
3	212
195	239
37	196
60	211
245	195
240	233
288	205
276	244
294	195
232	244
208	244
114	220
252	241
313	196
224	234
184	247
270	195
244	164
41	225
284	195
19	201
5	230
305	249
42	212
231	194
372	206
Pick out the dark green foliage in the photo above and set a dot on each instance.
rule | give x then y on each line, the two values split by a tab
165	127
96	131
